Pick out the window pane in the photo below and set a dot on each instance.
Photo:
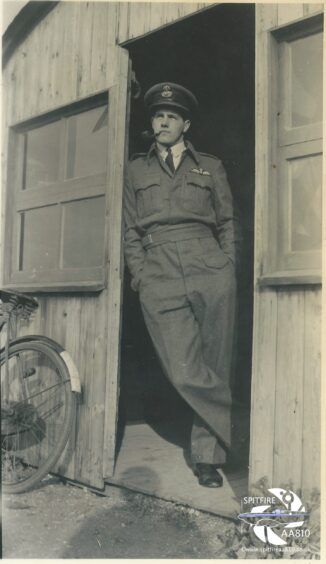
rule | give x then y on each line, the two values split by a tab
84	233
40	232
306	205
42	155
87	145
306	83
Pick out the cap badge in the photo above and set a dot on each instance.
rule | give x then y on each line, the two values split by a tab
166	91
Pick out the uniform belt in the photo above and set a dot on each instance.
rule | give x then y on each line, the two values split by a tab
173	235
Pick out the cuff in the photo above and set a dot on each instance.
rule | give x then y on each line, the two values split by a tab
135	283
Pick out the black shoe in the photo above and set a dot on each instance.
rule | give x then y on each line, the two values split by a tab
208	475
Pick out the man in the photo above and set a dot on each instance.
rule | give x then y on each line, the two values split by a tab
180	244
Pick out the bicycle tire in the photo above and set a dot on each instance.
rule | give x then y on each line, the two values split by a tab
25	429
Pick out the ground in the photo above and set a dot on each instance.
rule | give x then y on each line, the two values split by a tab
60	520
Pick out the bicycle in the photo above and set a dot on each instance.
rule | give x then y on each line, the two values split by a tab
39	383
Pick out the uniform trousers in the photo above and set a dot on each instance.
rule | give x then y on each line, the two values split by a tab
187	294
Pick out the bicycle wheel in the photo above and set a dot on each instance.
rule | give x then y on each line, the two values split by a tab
37	411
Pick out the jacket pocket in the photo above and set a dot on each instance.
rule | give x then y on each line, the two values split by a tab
197	193
218	260
148	196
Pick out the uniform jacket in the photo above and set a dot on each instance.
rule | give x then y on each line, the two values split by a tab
156	199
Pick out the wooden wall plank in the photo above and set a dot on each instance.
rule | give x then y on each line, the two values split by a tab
10	86
123	21
72	313
289	12
19	93
169	12
165	12
42	68
156	15
98	358
311	393
187	8
112	50
139	18
53	37
68	83
289	389
263	389
99	49
84	48
44	46
55	325
86	341
90	459
89	447
32	71
58	54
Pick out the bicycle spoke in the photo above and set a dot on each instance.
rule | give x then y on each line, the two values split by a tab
51	411
43	391
37	407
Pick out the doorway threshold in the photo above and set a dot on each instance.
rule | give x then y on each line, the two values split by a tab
150	464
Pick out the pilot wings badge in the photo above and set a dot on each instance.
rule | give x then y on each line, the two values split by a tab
201	171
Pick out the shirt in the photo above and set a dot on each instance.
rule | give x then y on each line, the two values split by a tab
176	151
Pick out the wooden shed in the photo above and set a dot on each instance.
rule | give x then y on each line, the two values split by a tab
73	79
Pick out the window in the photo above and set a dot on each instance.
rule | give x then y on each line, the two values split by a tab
58	185
295	228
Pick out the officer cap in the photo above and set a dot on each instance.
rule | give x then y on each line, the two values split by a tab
170	94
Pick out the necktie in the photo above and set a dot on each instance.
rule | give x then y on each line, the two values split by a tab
169	160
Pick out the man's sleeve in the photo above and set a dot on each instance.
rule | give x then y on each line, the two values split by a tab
134	252
227	222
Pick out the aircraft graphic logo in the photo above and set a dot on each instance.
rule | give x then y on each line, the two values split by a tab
275	523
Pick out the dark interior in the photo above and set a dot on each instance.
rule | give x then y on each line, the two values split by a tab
213	54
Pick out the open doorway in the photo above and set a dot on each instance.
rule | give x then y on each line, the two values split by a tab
213	54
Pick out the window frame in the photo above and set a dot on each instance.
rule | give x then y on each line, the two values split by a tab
19	200
275	270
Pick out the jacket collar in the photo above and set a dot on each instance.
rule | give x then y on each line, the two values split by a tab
189	147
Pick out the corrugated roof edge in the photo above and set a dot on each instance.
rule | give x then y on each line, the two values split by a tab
29	16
